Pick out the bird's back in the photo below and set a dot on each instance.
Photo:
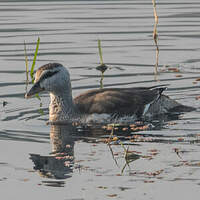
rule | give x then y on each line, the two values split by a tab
120	101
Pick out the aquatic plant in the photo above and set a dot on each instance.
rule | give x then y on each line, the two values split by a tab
26	65
32	69
34	60
155	36
128	155
102	67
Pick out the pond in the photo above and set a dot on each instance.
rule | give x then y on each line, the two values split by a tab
43	161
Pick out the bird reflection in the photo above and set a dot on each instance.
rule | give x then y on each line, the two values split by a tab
59	164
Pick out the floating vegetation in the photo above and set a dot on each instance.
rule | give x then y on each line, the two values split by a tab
177	151
4	103
197	97
178	75
102	67
112	195
171	68
127	128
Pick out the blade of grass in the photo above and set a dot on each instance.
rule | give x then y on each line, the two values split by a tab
102	67
26	61
32	70
100	52
34	59
26	64
109	145
32	73
33	64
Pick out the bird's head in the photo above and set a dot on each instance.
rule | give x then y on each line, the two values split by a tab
52	77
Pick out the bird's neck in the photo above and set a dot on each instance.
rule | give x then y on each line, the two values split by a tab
62	107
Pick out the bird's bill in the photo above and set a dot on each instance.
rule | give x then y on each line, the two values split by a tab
34	90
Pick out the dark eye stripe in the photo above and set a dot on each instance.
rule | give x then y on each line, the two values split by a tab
47	75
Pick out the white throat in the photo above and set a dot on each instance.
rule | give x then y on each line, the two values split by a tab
62	108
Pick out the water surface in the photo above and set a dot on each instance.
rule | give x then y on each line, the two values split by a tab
41	161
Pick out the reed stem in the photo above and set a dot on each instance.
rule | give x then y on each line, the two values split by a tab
155	37
102	67
26	64
100	52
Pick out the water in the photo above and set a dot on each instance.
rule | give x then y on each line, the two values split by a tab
43	161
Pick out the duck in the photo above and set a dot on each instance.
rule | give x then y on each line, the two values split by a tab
54	78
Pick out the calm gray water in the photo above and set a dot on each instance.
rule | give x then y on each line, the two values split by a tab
38	161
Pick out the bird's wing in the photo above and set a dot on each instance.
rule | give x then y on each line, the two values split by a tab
119	101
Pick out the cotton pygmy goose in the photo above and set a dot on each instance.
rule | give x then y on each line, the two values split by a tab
138	101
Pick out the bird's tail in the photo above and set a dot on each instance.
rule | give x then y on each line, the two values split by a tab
160	91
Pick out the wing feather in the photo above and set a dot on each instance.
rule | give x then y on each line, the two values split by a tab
119	101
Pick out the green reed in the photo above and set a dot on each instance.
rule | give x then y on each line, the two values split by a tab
26	64
34	59
102	67
100	52
31	72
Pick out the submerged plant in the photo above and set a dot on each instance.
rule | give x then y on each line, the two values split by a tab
102	67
